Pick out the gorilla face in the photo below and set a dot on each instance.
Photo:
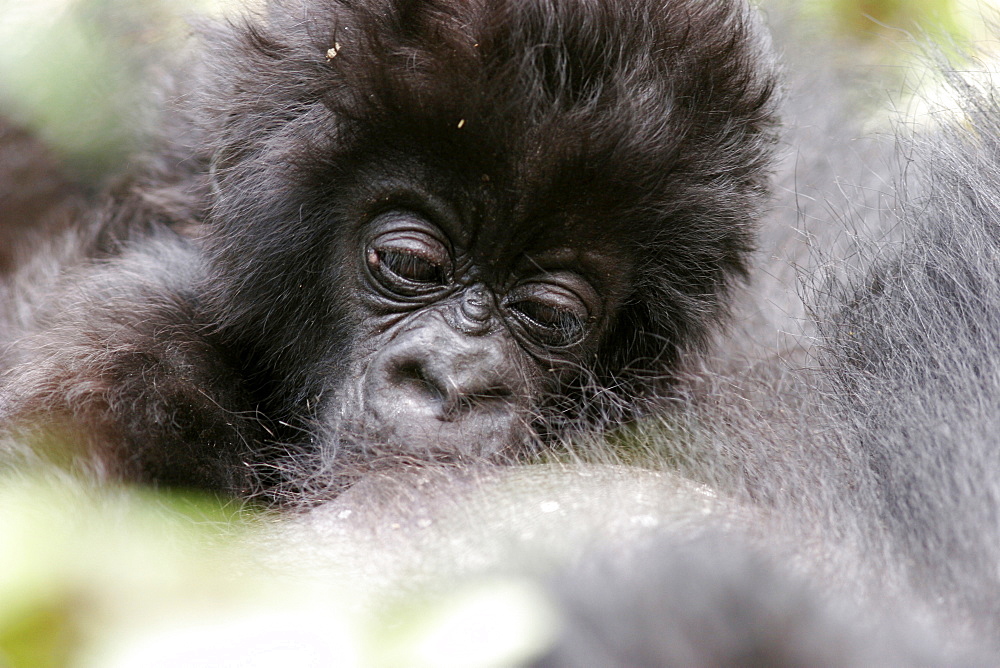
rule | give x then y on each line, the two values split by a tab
461	339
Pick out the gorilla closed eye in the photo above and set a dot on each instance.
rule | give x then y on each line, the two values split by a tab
548	324
407	260
551	313
393	264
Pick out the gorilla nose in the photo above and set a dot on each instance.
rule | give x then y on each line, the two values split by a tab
453	388
448	374
441	389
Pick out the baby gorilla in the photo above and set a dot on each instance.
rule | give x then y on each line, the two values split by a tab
430	229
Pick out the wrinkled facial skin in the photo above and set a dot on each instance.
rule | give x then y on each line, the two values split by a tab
455	352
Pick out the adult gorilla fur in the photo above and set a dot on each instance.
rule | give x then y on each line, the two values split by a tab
819	488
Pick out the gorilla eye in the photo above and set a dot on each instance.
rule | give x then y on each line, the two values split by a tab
406	266
550	324
551	314
408	261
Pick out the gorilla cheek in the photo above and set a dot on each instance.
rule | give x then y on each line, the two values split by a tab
435	390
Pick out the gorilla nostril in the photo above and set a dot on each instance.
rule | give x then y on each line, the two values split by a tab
413	374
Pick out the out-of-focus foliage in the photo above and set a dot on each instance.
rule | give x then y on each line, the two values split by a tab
111	577
880	18
76	560
72	70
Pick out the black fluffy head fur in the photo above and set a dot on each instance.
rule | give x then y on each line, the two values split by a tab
643	125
